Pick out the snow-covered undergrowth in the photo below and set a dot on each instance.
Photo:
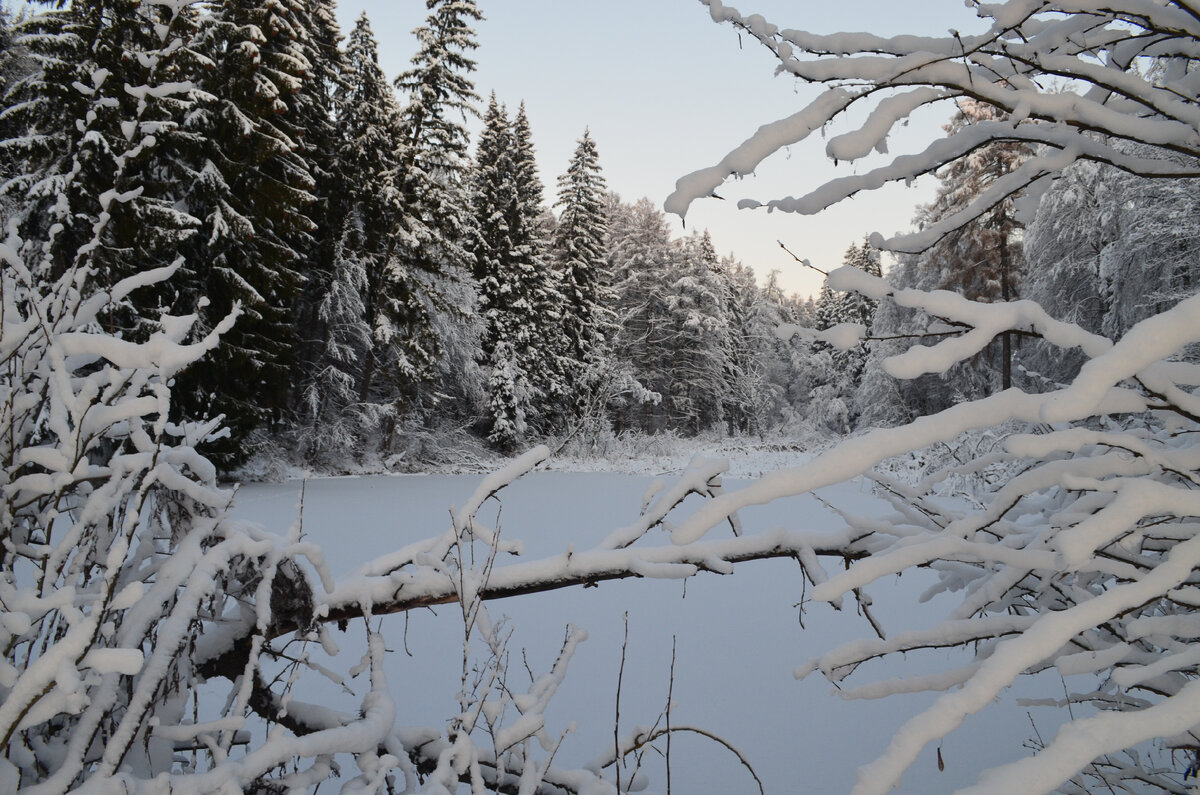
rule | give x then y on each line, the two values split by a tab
666	453
633	452
445	450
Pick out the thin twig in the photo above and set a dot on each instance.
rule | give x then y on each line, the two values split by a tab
618	756
803	262
670	699
654	735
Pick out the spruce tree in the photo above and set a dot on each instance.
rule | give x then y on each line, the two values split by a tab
6	50
578	250
698	329
858	309
433	178
523	342
95	147
834	398
433	175
370	132
251	193
546	355
43	116
828	308
15	65
750	400
439	88
354	330
501	302
641	259
390	345
311	122
135	138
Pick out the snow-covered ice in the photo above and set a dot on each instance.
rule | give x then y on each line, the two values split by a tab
738	637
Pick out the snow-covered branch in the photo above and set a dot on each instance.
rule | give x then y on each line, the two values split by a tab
1076	79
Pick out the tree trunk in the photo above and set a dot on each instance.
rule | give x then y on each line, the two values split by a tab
1006	294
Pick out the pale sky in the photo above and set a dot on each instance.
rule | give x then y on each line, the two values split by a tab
665	91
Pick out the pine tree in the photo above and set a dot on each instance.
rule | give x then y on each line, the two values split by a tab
1106	250
578	249
641	259
981	260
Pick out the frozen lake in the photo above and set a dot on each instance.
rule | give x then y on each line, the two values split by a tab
737	637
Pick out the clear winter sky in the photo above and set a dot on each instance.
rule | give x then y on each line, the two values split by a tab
666	91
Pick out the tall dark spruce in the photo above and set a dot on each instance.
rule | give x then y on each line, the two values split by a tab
363	329
252	191
432	179
39	143
546	357
313	112
15	64
504	335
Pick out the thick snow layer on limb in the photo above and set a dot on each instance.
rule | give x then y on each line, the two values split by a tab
842	336
1079	742
1093	54
1012	657
745	159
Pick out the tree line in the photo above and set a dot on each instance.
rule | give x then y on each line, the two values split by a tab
1099	247
394	279
397	282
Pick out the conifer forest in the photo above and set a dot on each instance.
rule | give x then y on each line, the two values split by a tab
395	282
233	248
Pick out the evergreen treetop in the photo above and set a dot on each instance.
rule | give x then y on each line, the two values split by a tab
578	245
439	87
